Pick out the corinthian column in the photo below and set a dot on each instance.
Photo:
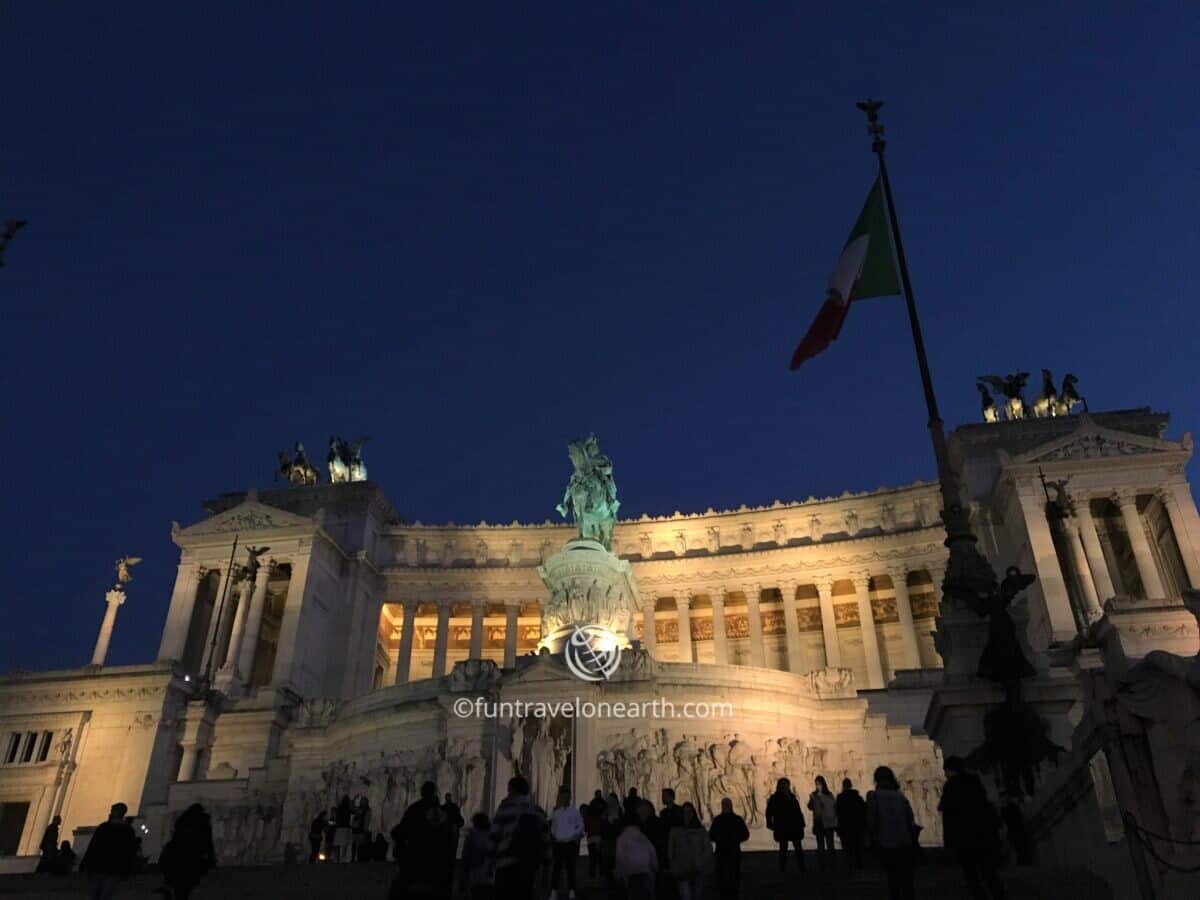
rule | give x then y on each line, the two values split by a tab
229	666
442	641
408	630
476	651
1050	578
866	625
113	598
720	637
512	610
1181	510
649	637
683	609
1142	554
909	649
1083	572
791	627
1093	551
245	661
758	655
833	650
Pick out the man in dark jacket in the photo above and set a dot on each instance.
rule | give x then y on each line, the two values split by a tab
728	832
520	840
971	828
422	841
111	854
852	822
785	818
49	846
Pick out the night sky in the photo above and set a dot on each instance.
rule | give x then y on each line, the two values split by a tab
475	233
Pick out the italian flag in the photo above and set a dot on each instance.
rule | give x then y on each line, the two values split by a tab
865	269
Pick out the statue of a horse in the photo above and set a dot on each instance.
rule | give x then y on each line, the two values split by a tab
1010	386
1068	397
987	404
1046	403
339	472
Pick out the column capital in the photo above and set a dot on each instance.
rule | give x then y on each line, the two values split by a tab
789	586
115	597
753	591
683	600
862	580
898	571
478	603
1124	496
717	594
1166	496
510	603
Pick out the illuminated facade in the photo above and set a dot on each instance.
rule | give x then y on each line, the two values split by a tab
333	662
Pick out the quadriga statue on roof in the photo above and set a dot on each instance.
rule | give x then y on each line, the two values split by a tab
591	494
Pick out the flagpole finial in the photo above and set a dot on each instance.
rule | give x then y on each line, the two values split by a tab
874	126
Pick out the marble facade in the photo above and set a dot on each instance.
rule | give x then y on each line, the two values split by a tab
333	667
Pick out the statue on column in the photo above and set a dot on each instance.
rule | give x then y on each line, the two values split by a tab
591	494
123	565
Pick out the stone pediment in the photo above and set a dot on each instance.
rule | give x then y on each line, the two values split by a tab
248	516
1092	441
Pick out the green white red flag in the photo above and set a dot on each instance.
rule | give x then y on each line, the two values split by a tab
865	269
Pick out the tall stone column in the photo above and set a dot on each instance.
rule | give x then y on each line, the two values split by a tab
288	652
179	616
219	613
229	666
512	610
113	598
649	637
833	650
910	651
408	631
477	610
441	642
683	610
866	625
1093	551
720	636
1045	557
791	627
758	652
1142	554
1185	522
1083	571
245	659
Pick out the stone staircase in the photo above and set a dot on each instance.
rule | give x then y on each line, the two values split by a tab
937	878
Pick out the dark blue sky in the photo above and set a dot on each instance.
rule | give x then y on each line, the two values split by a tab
475	233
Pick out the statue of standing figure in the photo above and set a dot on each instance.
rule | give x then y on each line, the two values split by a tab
591	494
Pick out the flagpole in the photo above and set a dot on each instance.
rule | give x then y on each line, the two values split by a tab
967	568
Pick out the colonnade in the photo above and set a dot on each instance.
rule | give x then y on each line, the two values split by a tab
1085	556
441	644
797	661
909	656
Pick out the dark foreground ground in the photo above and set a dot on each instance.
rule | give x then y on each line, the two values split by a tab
937	879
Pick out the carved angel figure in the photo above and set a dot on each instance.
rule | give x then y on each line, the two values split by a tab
124	564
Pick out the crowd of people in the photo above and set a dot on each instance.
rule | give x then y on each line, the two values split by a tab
640	852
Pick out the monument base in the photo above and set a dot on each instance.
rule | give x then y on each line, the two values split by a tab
588	585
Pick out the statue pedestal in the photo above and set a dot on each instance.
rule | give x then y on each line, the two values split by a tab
588	585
